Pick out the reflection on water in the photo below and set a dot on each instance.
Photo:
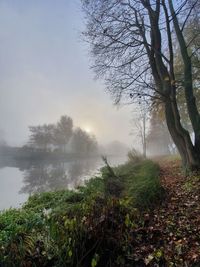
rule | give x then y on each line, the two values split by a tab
20	179
47	177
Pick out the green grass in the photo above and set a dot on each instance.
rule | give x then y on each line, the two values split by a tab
140	182
143	184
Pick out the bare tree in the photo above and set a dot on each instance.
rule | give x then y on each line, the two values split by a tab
140	124
133	41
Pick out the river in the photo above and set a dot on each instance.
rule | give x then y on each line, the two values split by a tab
19	180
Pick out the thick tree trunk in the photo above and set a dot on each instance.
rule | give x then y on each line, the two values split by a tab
188	80
165	83
191	103
181	137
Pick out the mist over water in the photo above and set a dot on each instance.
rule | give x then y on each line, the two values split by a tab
56	156
55	120
18	180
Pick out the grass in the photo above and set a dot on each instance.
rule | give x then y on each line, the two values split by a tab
141	182
89	226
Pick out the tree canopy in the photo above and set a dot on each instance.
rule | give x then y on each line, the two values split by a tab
134	45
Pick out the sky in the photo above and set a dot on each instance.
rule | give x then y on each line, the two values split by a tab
45	73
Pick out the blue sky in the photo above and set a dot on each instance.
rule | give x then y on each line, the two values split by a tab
45	72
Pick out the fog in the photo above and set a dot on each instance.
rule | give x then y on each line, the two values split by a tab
56	120
45	73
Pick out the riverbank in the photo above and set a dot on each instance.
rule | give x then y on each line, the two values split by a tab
133	215
61	228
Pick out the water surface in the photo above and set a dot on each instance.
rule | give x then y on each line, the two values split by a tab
18	180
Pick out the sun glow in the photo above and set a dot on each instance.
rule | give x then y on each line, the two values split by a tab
88	129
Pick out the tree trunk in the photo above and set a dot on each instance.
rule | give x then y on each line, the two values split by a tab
144	137
165	83
181	137
188	80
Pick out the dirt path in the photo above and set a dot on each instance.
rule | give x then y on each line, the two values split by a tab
177	220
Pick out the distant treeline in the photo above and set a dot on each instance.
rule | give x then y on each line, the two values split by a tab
52	141
61	137
60	141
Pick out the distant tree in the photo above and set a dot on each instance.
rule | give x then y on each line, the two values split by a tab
63	132
140	124
41	136
158	138
82	142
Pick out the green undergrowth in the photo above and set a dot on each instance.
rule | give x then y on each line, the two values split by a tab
94	225
141	183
